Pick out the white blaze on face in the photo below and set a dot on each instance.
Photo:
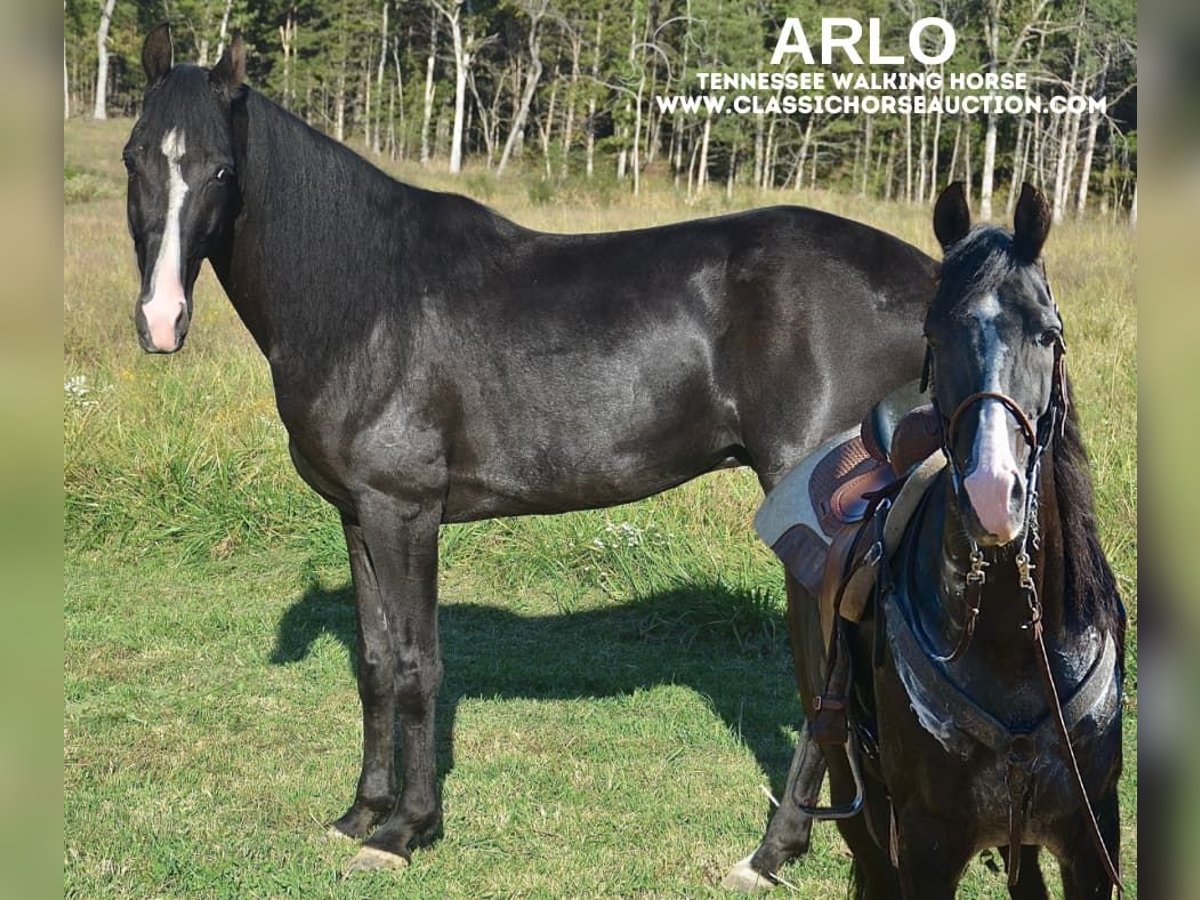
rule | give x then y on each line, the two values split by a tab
167	300
994	475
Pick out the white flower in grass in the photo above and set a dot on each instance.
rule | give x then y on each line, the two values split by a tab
79	392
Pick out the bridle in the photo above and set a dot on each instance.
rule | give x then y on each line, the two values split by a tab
1038	437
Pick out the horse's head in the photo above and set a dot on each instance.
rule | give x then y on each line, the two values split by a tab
182	182
995	357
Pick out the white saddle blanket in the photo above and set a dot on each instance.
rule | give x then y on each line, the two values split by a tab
789	502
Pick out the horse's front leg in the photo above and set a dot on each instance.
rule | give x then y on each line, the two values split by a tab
933	854
401	536
1031	885
1083	873
790	830
376	794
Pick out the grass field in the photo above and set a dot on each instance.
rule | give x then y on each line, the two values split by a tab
618	682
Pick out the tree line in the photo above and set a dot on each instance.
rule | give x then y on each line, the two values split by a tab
566	89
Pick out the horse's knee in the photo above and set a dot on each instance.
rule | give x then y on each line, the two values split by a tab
417	686
375	670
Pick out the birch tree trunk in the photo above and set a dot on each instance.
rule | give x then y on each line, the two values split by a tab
591	127
1061	173
991	31
287	41
101	109
223	32
531	82
759	148
462	60
935	151
383	54
967	157
427	113
572	88
954	153
66	76
908	160
987	176
637	132
702	175
804	142
868	133
339	102
547	132
1020	156
368	110
1089	148
922	171
398	145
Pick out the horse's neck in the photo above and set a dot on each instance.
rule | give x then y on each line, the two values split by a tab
284	260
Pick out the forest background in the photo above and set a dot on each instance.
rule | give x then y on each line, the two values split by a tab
565	90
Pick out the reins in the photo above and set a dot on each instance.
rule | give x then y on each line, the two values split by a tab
1038	439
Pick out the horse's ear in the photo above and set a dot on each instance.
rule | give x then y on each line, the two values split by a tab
1031	223
951	215
230	71
158	53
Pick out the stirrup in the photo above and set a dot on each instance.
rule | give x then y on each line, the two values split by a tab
846	810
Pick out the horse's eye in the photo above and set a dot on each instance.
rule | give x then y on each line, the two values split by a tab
223	175
1049	337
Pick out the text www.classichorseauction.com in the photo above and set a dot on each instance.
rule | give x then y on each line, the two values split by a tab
815	92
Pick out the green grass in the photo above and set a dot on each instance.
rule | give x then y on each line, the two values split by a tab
618	682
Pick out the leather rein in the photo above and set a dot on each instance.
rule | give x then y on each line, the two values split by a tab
1038	438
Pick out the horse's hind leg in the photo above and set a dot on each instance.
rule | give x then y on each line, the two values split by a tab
402	539
376	793
1030	884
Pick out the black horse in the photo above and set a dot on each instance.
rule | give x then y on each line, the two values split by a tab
987	685
433	362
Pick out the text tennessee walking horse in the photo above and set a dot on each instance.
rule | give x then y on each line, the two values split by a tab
433	362
986	689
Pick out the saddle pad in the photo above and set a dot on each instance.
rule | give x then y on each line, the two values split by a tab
790	502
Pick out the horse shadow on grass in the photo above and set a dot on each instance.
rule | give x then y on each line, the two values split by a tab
729	646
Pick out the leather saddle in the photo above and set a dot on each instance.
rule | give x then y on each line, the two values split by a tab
814	518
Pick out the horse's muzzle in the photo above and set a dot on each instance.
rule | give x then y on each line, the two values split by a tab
161	327
997	498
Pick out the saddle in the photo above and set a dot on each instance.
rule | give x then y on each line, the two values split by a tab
814	519
839	514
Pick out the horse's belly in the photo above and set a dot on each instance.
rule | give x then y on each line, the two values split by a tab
540	487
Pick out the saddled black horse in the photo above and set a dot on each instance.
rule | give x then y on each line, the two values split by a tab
988	679
433	362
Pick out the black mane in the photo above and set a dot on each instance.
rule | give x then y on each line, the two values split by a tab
1091	594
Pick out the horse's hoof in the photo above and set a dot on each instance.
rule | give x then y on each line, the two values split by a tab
334	832
744	879
369	859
